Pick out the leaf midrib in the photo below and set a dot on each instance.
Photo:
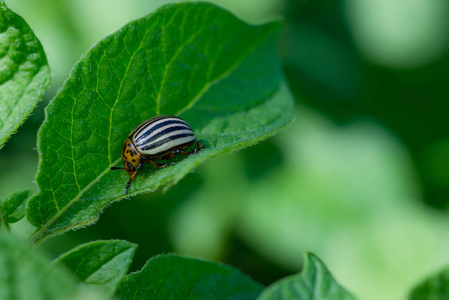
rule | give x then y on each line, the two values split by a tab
104	263
63	209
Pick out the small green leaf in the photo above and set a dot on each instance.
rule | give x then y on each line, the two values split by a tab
435	287
24	72
194	60
174	277
26	274
14	205
101	263
315	282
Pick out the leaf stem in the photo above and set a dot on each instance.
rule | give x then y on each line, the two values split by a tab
4	222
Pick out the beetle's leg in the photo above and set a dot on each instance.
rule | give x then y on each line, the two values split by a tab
174	152
131	178
156	164
185	152
198	147
117	168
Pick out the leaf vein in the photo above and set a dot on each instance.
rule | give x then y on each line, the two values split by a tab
120	91
36	236
98	81
167	67
223	76
71	145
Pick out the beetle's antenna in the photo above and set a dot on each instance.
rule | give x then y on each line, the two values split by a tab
117	168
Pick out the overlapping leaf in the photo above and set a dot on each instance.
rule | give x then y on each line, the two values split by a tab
13	207
102	264
24	72
27	274
175	277
434	287
315	282
194	60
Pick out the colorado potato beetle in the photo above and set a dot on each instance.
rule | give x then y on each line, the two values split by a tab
158	138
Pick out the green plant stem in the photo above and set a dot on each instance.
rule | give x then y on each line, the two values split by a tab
3	219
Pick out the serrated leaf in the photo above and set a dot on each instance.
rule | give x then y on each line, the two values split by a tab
435	287
175	277
27	274
194	60
13	207
315	282
24	72
101	263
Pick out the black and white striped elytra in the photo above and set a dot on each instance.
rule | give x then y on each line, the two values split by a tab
161	134
159	138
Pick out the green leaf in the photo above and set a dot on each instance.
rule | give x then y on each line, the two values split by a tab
435	287
194	60
101	263
27	274
176	277
13	207
24	72
314	282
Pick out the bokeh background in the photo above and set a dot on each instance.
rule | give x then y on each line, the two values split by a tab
361	178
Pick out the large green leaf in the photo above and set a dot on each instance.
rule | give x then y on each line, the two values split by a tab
315	282
436	287
101	263
24	72
26	274
194	60
175	277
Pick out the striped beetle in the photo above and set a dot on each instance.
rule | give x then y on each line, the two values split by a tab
158	138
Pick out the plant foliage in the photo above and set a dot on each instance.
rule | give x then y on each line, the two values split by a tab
193	60
12	209
24	72
315	282
26	274
237	98
435	287
102	264
176	277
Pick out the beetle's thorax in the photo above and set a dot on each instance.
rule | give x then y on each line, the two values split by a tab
131	158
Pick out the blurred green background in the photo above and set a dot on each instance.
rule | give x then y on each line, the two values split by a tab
361	178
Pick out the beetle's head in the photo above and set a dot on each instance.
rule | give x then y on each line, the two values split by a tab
131	157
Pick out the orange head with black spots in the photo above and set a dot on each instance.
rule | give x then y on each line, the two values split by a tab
131	158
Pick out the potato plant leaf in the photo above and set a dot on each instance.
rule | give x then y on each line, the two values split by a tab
24	72
27	274
194	60
435	287
13	207
101	263
315	282
176	277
